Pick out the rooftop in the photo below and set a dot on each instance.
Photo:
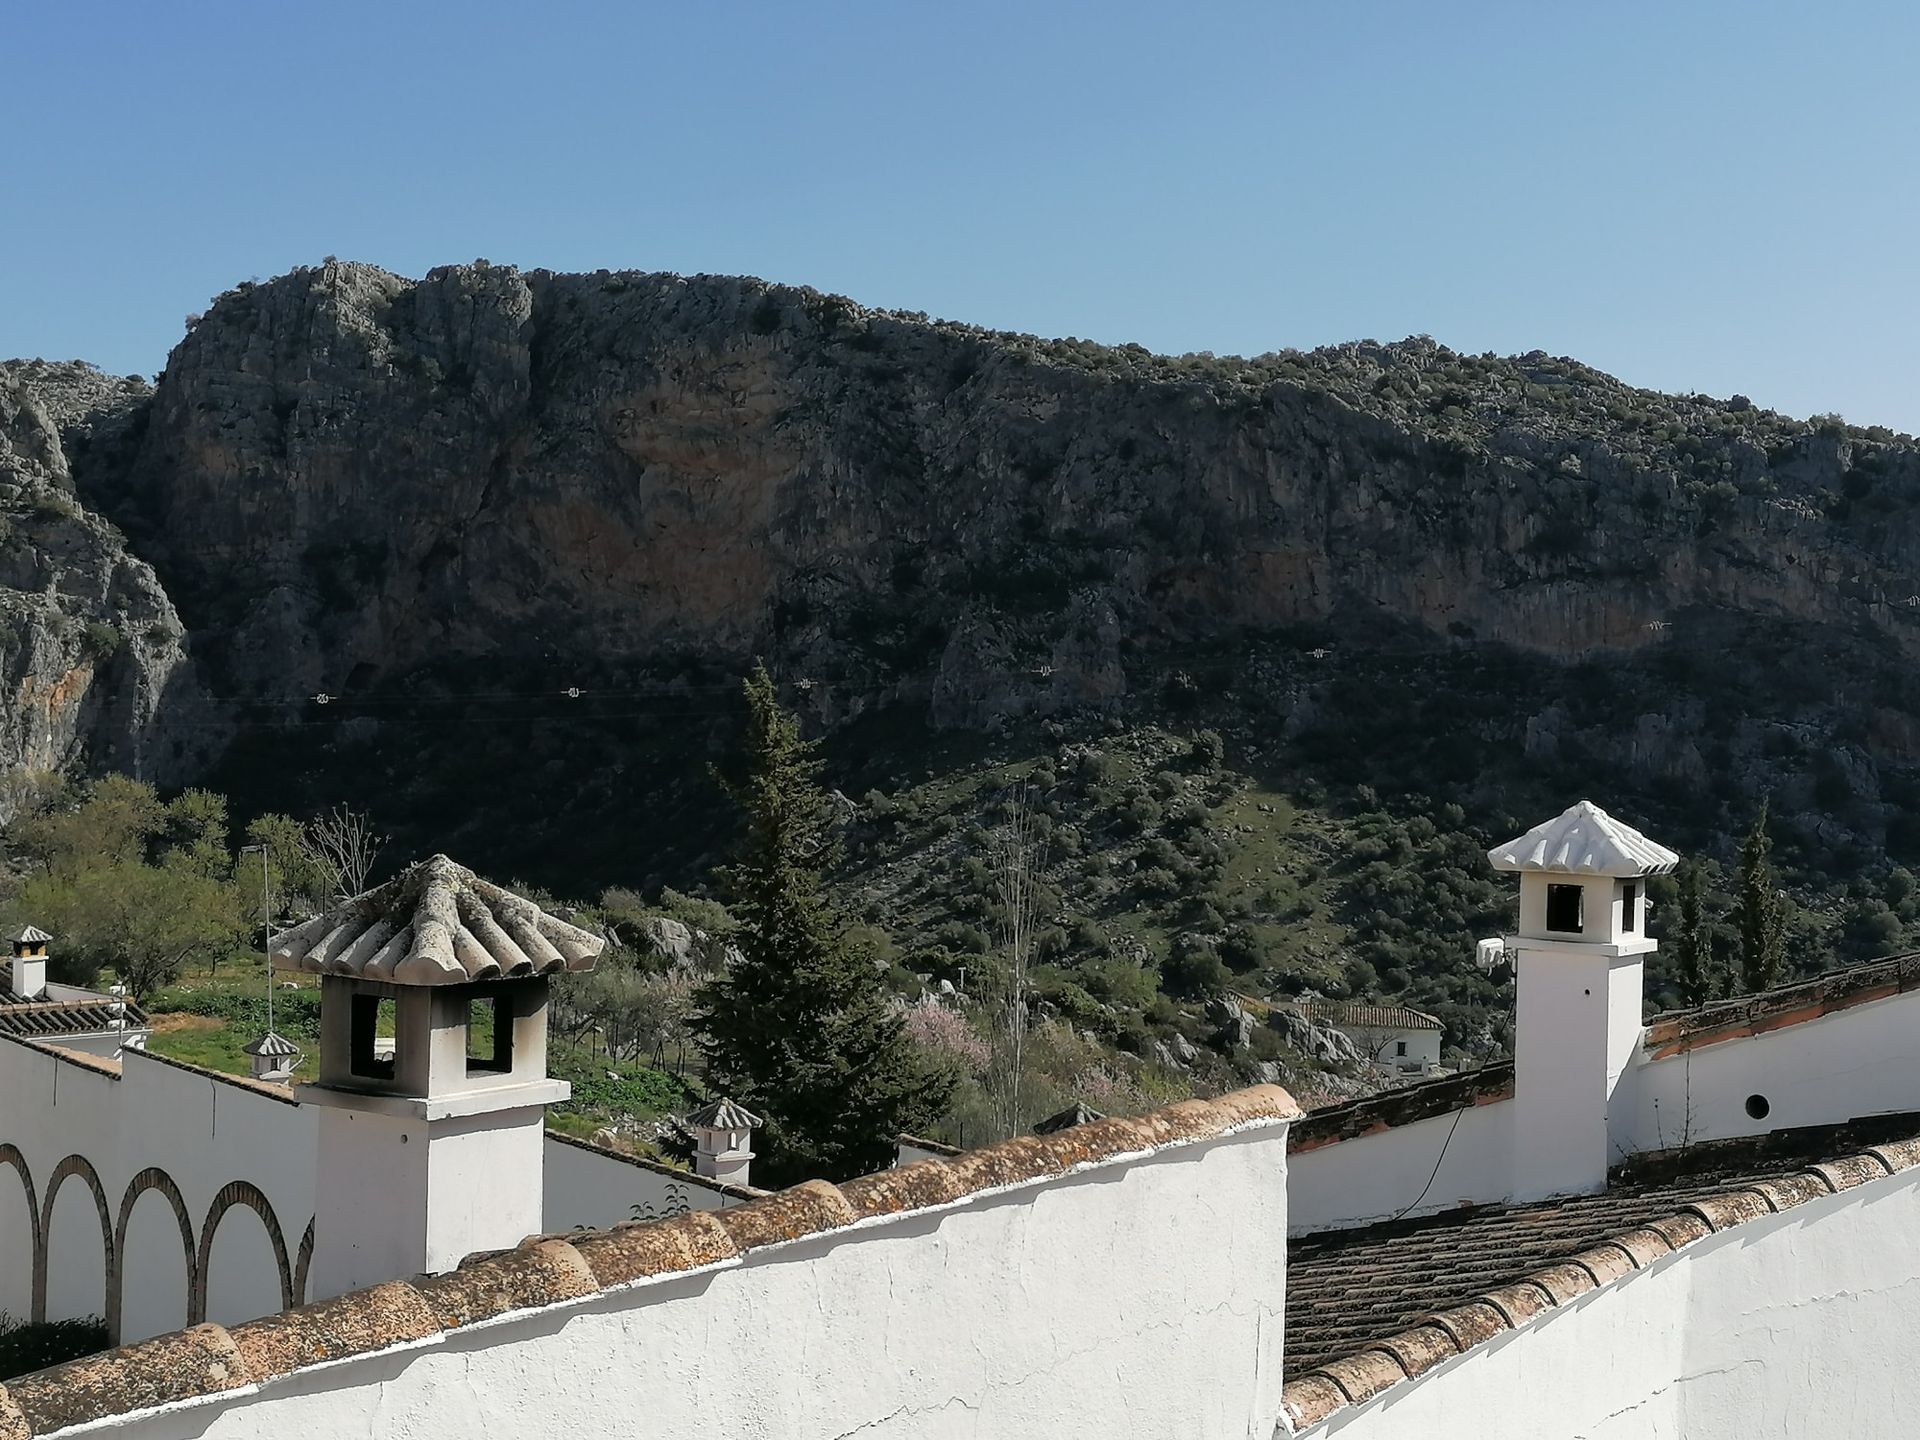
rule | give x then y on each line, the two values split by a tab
1363	1016
1785	1005
436	923
41	1018
1584	840
1371	1306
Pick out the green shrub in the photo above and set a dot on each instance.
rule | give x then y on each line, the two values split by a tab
26	1346
100	640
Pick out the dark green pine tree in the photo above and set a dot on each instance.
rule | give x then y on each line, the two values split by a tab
1760	913
802	1029
1695	970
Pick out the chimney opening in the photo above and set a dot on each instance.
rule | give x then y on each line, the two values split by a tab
489	1035
1758	1107
1629	907
370	1022
1564	908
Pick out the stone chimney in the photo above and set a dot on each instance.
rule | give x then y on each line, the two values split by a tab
722	1132
1579	953
433	1084
29	978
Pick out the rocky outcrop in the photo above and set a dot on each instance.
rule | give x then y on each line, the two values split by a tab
92	656
348	475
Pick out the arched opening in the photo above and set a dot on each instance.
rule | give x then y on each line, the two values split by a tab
245	1271
156	1249
19	1234
78	1244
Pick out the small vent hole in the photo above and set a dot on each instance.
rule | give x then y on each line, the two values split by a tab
1758	1107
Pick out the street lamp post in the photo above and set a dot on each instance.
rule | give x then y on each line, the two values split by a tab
266	910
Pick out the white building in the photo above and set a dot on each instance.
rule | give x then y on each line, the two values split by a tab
1396	1041
1704	1224
35	1008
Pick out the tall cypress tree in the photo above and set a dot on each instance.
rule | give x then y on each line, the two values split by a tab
1760	914
801	1028
1695	970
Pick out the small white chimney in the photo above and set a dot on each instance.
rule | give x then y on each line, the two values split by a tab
272	1057
1579	954
29	979
722	1132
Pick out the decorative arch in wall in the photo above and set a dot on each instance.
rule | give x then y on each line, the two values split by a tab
10	1155
302	1265
246	1194
68	1168
152	1178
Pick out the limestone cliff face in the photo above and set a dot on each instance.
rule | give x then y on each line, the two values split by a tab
346	474
92	657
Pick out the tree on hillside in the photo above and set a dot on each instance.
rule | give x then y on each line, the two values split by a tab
1760	913
802	1029
1696	971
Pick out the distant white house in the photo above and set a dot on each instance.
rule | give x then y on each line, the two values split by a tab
1395	1039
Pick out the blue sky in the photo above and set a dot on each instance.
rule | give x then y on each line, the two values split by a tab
1694	194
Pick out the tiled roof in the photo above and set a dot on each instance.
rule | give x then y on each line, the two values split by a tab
1402	1105
436	923
1584	840
723	1114
272	1044
1371	1017
1369	1307
1785	1005
207	1359
32	935
45	1019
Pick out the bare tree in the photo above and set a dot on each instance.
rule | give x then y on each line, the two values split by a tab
344	842
1019	856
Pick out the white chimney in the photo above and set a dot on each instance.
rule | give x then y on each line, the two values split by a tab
1579	955
722	1132
29	979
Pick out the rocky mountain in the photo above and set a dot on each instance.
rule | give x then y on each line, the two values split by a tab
443	504
91	651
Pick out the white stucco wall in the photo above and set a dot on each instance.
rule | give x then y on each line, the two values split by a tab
1139	1299
1802	1323
1378	1176
201	1133
592	1189
1852	1063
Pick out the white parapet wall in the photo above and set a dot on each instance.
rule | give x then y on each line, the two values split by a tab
160	1194
154	1194
1819	1069
1794	1324
1018	1292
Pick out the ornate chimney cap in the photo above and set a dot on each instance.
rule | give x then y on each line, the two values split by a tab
437	923
1078	1113
32	935
1584	840
722	1114
273	1045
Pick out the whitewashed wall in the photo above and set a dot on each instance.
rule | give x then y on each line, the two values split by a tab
589	1188
238	1165
1382	1175
1852	1063
1802	1323
1141	1299
201	1173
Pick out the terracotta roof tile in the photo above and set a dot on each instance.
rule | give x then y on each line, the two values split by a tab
1680	1030
1361	1304
1371	1017
436	923
1402	1105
